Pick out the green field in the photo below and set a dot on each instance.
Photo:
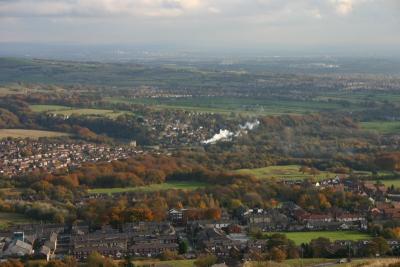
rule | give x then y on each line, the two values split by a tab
358	97
150	188
7	219
45	108
306	237
394	182
292	263
284	172
89	112
68	111
226	105
384	127
34	134
176	263
330	262
306	262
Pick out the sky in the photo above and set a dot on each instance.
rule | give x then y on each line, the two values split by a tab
238	24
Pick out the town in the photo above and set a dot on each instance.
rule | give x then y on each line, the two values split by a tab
245	233
26	155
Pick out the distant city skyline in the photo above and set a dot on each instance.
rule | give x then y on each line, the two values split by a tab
362	26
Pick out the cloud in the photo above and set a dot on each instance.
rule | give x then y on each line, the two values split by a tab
214	10
32	8
156	8
343	7
201	23
91	8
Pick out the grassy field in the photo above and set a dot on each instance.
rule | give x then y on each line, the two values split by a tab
306	262
383	262
68	111
290	263
89	112
384	127
358	97
7	219
287	263
284	172
45	108
176	263
226	105
150	188
394	182
306	237
22	133
380	262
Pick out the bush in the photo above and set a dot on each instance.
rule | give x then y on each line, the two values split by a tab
205	261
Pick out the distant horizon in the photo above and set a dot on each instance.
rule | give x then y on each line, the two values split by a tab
81	51
263	64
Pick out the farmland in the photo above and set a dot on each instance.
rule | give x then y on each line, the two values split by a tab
384	127
285	172
34	134
150	188
226	105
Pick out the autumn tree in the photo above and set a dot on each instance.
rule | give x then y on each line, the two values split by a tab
278	254
96	259
12	263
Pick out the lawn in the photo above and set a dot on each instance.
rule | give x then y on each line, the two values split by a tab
306	262
306	237
176	263
34	134
150	188
384	127
7	219
284	172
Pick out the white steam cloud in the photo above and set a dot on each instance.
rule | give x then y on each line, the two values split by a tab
250	125
226	135
221	136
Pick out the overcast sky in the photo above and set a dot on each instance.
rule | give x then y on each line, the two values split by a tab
208	23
